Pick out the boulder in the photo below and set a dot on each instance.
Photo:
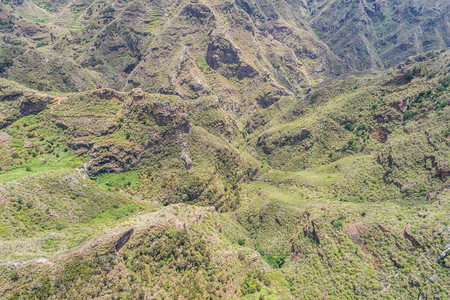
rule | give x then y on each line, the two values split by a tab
411	238
187	160
123	240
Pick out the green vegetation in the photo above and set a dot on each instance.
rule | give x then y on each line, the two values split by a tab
276	261
285	214
211	149
38	20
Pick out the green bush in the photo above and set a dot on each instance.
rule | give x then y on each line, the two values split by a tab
5	63
349	126
352	145
41	44
338	223
445	82
276	261
250	285
59	226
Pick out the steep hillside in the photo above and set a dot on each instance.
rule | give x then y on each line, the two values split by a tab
77	45
351	180
372	33
210	149
399	119
186	49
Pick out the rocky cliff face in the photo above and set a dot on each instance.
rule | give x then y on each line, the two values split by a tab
19	103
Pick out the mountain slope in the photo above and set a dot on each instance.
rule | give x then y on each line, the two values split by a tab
224	149
377	33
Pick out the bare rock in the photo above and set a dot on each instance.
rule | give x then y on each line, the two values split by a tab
11	96
381	134
108	94
123	240
444	254
396	262
189	81
112	158
137	94
269	98
354	234
411	238
384	228
89	125
187	160
268	145
27	144
32	103
310	230
200	12
224	56
5	138
401	106
167	113
441	167
81	145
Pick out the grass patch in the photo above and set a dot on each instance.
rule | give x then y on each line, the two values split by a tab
42	20
116	213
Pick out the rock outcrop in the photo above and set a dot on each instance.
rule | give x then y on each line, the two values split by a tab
411	238
224	56
123	240
113	158
166	113
24	103
269	98
268	145
200	12
310	230
381	134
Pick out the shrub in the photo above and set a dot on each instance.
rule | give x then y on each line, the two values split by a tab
14	276
171	232
260	251
409	77
59	226
409	115
276	261
250	285
338	223
41	44
352	145
445	82
5	63
349	126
